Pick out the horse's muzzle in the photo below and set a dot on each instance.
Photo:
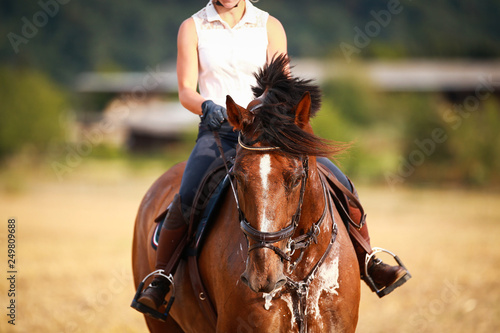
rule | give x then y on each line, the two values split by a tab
264	281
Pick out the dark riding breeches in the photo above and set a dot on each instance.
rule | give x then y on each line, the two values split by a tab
202	159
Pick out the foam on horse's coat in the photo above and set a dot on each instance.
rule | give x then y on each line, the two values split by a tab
268	298
289	303
328	281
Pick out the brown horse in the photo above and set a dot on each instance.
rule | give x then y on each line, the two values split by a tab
278	257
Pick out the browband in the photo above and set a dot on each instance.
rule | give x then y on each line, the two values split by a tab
254	148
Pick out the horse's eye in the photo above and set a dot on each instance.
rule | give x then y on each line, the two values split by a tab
296	182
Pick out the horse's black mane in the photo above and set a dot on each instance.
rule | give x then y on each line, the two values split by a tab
274	122
283	87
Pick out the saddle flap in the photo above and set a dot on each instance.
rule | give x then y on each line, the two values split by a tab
211	208
207	202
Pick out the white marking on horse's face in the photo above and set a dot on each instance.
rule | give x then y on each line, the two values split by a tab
265	171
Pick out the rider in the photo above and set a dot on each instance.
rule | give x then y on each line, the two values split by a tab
218	49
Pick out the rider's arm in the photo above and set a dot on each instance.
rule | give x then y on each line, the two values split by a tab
187	67
277	38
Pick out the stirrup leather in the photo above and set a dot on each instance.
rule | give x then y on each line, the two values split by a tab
384	291
147	310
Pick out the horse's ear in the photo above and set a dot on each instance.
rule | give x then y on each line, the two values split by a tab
236	115
303	110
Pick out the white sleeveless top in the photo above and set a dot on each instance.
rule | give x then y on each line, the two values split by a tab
228	57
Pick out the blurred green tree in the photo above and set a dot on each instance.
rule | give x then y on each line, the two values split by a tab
31	109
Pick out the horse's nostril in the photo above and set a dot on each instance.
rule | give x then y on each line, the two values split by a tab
280	283
244	279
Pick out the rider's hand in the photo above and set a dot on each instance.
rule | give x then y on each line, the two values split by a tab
213	115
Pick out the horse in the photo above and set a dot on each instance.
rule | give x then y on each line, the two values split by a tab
278	257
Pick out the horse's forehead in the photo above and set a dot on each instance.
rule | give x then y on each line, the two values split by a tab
249	162
273	163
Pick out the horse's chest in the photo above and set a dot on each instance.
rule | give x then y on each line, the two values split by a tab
319	303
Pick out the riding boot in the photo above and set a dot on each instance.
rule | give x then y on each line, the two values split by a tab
167	255
380	277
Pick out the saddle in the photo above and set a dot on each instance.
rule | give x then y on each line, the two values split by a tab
205	202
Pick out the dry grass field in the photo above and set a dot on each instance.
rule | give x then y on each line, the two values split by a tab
74	242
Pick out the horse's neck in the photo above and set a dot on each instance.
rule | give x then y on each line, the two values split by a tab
312	211
314	201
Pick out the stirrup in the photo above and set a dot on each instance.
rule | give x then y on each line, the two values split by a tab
384	291
147	310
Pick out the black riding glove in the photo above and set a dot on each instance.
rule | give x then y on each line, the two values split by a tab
213	115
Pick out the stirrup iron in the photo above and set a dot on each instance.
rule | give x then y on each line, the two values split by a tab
384	291
147	310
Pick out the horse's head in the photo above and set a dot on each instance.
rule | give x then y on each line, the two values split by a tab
270	185
271	168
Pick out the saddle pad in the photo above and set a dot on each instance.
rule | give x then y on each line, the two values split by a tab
211	207
156	235
209	213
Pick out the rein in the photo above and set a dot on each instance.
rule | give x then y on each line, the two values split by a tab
302	242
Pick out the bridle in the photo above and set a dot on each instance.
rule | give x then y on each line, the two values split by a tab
268	239
298	289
